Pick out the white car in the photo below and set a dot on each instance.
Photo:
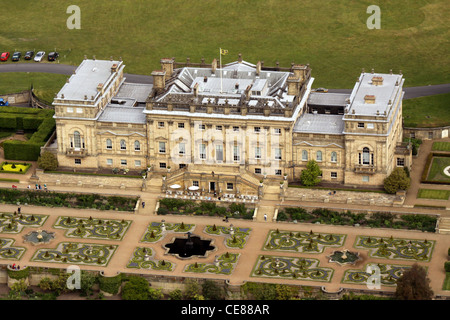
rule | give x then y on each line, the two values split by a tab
39	56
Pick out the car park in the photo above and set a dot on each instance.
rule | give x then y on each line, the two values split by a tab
4	56
29	55
16	56
52	56
39	56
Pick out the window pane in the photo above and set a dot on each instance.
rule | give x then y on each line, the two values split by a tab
76	139
219	152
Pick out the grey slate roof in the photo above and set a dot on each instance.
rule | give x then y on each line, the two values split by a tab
328	99
136	91
320	123
122	114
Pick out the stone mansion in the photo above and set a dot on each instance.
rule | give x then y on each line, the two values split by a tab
224	129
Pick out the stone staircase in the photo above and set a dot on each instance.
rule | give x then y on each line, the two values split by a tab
444	226
265	210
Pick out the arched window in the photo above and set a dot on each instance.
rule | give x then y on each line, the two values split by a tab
123	145
334	156
319	156
137	146
304	155
366	156
76	140
108	144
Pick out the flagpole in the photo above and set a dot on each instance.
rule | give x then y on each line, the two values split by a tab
221	84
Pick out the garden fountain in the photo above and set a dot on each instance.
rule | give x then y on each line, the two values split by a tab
39	237
188	247
344	257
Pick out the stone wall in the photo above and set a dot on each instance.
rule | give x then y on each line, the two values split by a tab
17	98
89	181
427	133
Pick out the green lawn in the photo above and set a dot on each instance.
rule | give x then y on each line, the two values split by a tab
446	285
433	194
330	35
436	171
429	111
441	146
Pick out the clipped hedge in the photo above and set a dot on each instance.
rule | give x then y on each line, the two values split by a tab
19	274
447	266
110	285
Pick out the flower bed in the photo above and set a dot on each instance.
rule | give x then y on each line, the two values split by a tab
224	264
8	252
389	274
14	167
155	231
237	240
14	223
144	258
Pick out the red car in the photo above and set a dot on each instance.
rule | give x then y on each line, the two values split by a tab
4	56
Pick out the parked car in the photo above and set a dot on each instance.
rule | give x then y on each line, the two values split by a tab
52	56
39	56
29	55
16	56
321	90
3	102
4	56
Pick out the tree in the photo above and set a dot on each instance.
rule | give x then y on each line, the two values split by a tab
136	288
212	291
48	161
397	180
310	176
414	285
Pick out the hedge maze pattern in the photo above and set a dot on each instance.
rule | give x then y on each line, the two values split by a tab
308	242
89	228
144	258
77	253
155	231
291	268
389	273
14	223
395	248
223	264
237	240
8	252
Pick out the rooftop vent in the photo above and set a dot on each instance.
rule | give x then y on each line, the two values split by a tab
205	79
369	98
377	81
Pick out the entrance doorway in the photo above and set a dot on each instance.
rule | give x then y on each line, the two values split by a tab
212	186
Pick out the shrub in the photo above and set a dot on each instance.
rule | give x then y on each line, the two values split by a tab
447	266
310	176
397	180
211	291
138	288
110	285
48	161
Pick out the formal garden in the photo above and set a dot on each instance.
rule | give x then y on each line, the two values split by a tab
296	268
90	228
389	274
15	222
68	200
396	248
306	242
235	237
10	252
144	258
373	220
77	253
157	230
204	208
223	264
437	168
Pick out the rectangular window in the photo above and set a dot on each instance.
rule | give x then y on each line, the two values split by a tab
79	110
162	165
277	154
137	163
160	124
195	183
258	153
236	129
182	148
182	165
123	162
229	186
69	110
278	172
258	170
334	175
219	128
430	135
277	131
109	162
236	155
77	161
304	155
162	147
181	125
370	126
360	124
202	151
219	152
257	129
365	178
400	162
201	127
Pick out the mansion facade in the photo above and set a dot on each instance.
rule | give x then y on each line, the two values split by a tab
224	129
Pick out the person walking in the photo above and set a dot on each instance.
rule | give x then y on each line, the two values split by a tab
143	204
18	209
265	217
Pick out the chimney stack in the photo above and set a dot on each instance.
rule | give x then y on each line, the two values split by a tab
167	66
258	68
248	92
159	79
196	90
214	66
